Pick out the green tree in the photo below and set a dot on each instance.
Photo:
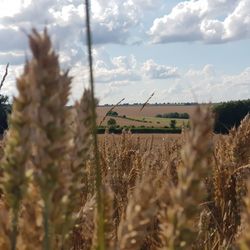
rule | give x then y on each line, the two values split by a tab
112	113
4	110
173	124
111	122
230	114
4	105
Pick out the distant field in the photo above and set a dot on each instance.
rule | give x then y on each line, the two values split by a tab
161	122
148	114
149	110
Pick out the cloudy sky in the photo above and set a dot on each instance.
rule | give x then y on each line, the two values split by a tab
196	50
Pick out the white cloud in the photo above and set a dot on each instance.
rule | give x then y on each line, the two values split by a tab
205	84
111	22
10	8
240	80
12	39
114	75
208	72
118	69
153	70
208	84
9	86
13	58
211	21
120	77
122	70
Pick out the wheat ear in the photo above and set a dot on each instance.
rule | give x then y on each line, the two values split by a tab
49	91
17	152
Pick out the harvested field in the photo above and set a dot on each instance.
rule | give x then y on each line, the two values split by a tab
148	113
146	122
149	110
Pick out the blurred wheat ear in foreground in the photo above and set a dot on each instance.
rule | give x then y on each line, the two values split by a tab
38	145
188	192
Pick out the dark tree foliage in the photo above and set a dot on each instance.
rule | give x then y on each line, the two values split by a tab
4	111
112	113
175	115
5	108
230	114
111	122
173	124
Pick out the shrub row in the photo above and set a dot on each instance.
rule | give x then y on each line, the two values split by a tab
174	115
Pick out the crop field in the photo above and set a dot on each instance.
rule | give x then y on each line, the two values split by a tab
145	121
161	122
148	110
63	187
145	139
129	115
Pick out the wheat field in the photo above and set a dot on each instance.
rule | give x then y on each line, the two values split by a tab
58	191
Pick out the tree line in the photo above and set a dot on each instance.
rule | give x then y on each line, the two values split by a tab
175	115
230	114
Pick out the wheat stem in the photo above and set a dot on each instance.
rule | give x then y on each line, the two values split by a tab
4	76
98	180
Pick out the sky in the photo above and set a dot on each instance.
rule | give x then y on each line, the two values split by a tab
184	51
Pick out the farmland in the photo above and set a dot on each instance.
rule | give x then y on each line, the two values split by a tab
145	139
149	110
132	116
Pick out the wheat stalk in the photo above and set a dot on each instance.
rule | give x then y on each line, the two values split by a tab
98	176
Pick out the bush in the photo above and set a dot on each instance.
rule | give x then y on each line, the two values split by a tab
173	124
115	130
112	113
140	130
184	116
111	122
175	115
